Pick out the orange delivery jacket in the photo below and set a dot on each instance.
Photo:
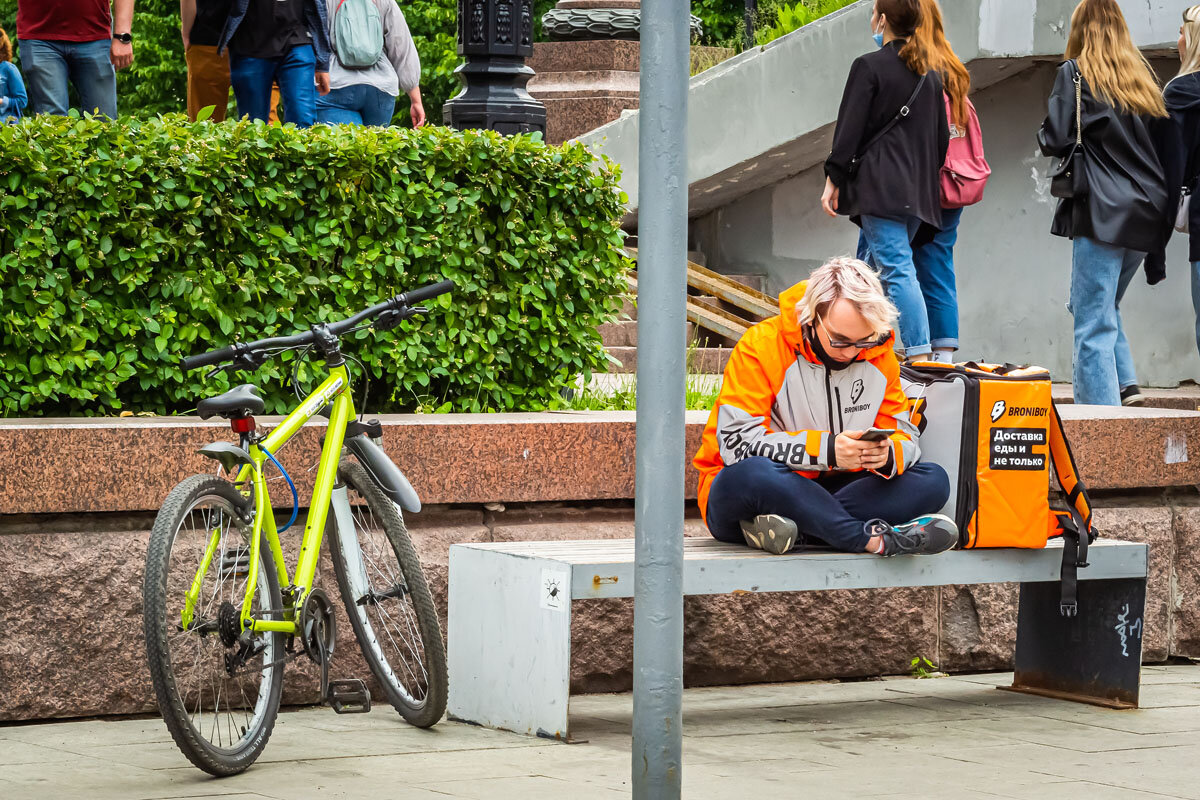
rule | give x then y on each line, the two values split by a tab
778	400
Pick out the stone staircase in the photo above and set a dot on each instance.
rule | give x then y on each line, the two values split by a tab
708	352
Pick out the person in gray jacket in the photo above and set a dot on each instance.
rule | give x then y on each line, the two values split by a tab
368	96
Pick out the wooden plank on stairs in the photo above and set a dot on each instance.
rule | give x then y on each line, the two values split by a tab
732	292
711	319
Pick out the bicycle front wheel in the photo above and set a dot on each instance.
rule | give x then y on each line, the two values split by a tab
218	691
389	604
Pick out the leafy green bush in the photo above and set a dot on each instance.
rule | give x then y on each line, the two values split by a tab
780	19
125	246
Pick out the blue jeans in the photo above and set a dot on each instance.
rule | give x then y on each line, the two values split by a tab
934	262
889	246
49	66
1100	274
1196	298
295	73
831	509
360	104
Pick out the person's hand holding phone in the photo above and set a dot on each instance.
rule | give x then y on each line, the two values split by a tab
854	452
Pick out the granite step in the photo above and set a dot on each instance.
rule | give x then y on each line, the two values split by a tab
702	360
625	333
1185	397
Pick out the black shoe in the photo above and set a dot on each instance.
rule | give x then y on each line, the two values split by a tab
770	532
925	535
1132	396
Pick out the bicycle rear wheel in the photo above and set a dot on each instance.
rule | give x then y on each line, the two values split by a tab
392	615
218	692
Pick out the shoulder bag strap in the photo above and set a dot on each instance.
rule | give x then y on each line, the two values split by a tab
901	114
1078	106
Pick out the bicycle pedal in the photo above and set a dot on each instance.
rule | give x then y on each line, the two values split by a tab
349	696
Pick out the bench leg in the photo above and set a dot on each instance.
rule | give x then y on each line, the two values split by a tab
1095	657
509	642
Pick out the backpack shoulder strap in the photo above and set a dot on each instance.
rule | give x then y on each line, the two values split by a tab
1076	526
1068	475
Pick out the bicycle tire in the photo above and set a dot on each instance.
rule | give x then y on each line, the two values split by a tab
420	708
165	636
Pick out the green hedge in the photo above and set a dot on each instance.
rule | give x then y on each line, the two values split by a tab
126	246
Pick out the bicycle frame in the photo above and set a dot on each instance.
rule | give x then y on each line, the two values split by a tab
332	390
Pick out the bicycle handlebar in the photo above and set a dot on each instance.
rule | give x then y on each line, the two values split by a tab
397	303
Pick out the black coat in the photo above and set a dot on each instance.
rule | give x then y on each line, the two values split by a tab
898	176
1179	151
1127	191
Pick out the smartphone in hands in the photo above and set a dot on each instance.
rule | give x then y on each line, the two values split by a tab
876	435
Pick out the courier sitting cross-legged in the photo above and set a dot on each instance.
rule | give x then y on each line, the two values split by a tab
787	454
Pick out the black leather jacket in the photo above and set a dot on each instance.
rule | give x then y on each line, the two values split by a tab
1179	152
898	176
1127	193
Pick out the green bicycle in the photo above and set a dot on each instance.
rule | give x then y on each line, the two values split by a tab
221	614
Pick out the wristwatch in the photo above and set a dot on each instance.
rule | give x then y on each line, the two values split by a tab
123	38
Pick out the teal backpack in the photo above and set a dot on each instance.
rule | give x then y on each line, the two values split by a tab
357	33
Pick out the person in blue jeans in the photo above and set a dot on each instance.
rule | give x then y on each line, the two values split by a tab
933	265
1119	218
889	145
368	96
285	42
74	42
12	88
1179	152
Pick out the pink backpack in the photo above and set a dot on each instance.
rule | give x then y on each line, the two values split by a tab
966	171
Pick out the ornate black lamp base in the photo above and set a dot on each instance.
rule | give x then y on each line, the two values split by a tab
494	97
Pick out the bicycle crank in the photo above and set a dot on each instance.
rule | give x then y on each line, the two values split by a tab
318	632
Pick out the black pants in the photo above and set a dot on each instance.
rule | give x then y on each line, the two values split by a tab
831	509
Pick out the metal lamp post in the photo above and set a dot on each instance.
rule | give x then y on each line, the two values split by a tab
658	507
495	37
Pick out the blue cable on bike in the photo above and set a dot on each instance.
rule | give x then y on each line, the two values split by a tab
292	486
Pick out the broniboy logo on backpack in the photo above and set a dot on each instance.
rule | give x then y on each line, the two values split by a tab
998	410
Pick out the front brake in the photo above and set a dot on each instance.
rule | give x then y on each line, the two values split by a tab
391	318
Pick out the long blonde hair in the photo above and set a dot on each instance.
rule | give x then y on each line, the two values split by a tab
854	280
931	39
1115	69
1191	42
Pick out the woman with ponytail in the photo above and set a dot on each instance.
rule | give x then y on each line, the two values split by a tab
888	148
963	176
1112	189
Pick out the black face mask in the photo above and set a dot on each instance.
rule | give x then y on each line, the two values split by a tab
830	363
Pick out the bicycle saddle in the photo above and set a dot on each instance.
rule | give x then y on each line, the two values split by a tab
241	401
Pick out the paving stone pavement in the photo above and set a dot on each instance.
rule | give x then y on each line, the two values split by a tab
957	738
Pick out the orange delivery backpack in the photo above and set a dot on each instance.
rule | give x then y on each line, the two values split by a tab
996	432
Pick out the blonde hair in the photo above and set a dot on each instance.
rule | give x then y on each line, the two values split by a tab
1115	69
850	279
1191	42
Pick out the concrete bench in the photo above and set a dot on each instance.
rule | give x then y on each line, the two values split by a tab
510	613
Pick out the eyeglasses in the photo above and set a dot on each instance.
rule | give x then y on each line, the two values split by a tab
865	344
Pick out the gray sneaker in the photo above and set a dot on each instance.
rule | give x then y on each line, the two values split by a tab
770	532
925	535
